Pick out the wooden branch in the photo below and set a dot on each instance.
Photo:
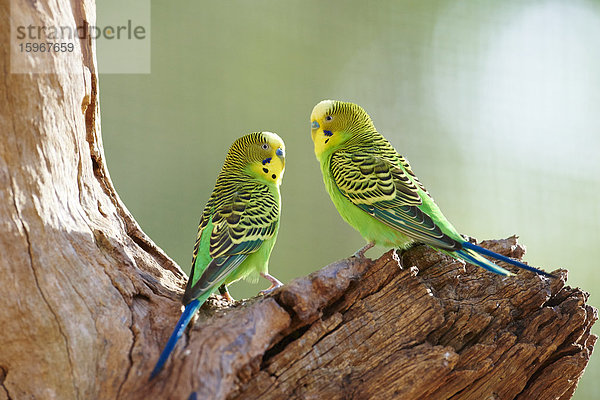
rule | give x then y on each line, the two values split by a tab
431	330
88	301
371	329
81	284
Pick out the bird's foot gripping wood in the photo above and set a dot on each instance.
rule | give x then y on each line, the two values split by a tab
275	284
225	293
360	253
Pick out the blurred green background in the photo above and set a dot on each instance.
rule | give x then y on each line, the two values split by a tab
496	105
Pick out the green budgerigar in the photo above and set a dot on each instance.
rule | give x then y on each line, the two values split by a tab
375	190
238	226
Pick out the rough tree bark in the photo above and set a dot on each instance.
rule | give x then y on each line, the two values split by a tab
88	300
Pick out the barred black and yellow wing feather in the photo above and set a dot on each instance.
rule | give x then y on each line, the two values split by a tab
238	219
378	183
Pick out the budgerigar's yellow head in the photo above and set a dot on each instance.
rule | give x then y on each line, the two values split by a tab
261	154
334	122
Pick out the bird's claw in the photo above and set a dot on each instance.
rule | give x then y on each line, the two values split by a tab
225	294
269	290
228	297
275	284
360	253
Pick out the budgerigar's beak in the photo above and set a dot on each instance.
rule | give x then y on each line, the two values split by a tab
314	126
280	153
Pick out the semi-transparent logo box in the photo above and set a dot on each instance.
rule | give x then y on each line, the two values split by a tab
120	35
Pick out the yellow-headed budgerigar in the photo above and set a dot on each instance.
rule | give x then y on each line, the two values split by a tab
376	192
238	226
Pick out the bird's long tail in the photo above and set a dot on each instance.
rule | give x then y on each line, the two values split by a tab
184	320
472	253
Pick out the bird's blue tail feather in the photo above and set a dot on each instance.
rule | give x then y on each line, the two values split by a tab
184	320
475	258
500	257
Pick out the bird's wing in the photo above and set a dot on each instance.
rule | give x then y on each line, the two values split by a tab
379	185
239	221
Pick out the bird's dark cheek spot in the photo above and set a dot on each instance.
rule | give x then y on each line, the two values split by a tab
266	171
266	161
273	176
327	140
328	133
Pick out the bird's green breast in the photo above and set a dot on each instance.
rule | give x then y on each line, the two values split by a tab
370	228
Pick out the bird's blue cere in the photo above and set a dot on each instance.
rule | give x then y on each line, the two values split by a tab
279	152
314	125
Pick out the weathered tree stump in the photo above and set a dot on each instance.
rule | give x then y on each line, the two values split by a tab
88	300
435	329
371	329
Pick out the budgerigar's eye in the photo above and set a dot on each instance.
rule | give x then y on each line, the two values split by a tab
265	146
328	118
